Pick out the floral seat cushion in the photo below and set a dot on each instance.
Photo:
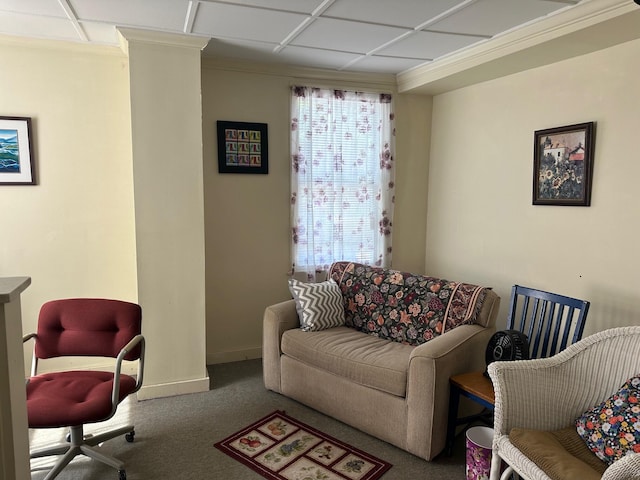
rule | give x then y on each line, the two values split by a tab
401	306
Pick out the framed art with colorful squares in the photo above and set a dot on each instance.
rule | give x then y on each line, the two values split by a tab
242	147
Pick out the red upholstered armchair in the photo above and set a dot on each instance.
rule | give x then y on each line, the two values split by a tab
83	327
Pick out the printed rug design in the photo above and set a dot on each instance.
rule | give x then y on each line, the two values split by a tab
280	447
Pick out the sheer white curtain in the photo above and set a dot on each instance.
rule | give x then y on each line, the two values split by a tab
342	179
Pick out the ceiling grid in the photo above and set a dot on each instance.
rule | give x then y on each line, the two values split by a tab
378	36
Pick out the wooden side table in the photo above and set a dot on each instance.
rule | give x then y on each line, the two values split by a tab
473	385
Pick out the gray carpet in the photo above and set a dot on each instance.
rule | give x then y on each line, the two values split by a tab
175	436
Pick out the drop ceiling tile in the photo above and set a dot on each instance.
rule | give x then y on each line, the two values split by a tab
343	35
300	6
489	17
401	13
347	30
231	21
240	49
380	64
428	45
37	27
102	33
34	7
311	57
159	14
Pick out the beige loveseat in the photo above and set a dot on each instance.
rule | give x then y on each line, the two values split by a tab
378	373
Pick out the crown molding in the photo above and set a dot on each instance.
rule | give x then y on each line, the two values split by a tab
139	35
326	77
585	28
60	45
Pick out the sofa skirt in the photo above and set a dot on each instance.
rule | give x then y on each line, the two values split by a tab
374	412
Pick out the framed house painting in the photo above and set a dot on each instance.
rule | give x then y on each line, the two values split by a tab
16	152
563	165
242	147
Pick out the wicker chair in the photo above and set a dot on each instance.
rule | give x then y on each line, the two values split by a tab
549	394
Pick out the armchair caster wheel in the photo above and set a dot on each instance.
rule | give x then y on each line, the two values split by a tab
122	475
129	437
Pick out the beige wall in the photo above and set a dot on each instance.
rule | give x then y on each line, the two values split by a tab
413	141
247	216
481	225
73	233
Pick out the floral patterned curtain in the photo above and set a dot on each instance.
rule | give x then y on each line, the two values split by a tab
342	179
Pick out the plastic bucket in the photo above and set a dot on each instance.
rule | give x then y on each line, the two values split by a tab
479	443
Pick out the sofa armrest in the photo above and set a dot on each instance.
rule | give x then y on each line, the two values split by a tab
489	311
277	319
430	366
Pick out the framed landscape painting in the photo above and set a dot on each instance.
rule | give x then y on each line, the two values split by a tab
16	154
242	147
563	165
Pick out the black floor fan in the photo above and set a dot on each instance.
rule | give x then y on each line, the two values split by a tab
507	345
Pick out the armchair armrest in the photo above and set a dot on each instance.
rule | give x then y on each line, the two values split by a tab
550	393
115	391
627	468
28	337
34	359
531	394
277	319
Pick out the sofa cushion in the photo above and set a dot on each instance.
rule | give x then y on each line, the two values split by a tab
361	358
401	306
561	454
612	428
319	305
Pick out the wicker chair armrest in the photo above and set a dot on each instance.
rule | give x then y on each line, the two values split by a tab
627	468
550	393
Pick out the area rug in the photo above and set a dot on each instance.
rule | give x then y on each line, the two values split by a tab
279	447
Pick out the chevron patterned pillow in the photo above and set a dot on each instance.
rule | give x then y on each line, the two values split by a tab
319	305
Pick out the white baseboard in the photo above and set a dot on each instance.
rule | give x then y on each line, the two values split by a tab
234	356
129	368
148	392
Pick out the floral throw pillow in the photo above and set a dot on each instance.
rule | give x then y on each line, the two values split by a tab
612	429
319	305
402	306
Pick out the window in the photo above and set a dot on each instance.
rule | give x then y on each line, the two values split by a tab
342	178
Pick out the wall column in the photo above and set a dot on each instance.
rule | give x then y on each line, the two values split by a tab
14	432
166	130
